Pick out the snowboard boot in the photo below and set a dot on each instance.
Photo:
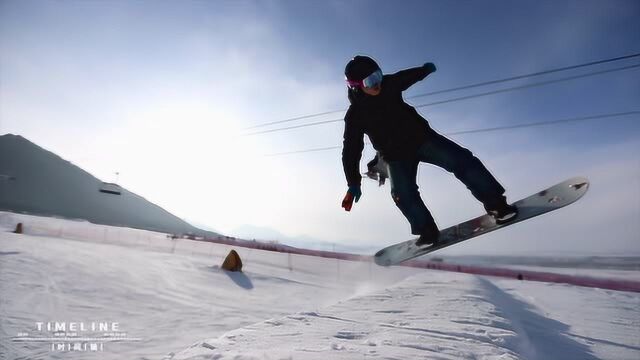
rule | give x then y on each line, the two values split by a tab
429	236
501	211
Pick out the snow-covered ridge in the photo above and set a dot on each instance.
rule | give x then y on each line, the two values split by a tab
36	181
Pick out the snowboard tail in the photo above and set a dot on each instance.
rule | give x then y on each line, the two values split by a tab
547	200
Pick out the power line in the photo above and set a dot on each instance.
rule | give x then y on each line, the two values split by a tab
542	83
497	128
492	82
527	75
294	119
305	151
543	123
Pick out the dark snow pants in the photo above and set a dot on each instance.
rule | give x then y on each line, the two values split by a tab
442	152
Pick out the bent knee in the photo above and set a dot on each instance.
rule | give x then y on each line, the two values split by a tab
405	196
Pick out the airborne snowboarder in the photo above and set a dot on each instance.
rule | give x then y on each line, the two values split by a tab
403	139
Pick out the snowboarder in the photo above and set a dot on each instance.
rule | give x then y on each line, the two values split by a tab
403	139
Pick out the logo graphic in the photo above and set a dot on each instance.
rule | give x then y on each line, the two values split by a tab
75	336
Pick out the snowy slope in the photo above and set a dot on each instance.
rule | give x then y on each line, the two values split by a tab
166	296
166	299
446	316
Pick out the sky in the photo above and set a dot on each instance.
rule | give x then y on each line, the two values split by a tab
161	93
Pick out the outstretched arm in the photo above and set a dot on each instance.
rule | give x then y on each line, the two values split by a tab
403	79
352	146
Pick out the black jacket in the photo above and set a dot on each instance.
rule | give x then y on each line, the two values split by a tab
394	127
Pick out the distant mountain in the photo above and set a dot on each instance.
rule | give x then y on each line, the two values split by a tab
36	181
261	233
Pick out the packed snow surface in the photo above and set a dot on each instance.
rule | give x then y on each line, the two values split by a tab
446	316
174	302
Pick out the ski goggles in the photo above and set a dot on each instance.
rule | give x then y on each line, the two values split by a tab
370	81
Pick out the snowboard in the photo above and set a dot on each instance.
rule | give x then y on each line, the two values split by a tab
547	200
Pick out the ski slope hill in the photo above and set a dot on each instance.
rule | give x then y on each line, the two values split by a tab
36	181
167	296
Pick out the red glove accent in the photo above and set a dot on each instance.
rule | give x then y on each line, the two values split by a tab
347	202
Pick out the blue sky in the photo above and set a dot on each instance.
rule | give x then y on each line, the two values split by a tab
159	90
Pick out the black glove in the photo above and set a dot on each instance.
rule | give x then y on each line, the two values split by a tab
430	67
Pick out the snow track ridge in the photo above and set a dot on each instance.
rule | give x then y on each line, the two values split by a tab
537	336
